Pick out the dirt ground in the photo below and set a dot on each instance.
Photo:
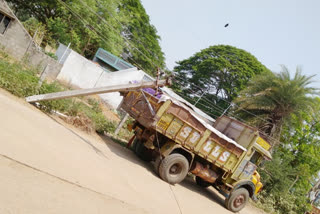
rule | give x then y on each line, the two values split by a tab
50	167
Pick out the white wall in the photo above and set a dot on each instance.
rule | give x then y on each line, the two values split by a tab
116	78
79	71
83	73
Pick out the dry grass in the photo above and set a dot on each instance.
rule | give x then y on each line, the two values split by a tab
81	121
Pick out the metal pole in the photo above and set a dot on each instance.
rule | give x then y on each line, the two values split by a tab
200	97
225	111
64	53
124	119
32	40
43	76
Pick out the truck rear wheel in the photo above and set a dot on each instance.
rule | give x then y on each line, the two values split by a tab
237	200
134	144
202	182
143	152
174	168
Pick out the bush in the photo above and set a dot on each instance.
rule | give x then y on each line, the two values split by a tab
19	82
102	124
23	83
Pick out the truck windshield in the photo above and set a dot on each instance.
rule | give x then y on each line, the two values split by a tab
255	158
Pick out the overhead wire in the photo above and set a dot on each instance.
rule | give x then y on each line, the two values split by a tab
150	60
98	33
130	42
214	106
184	97
234	116
119	22
93	29
230	103
127	40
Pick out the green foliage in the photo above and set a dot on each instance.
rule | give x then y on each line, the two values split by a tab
52	55
270	96
142	35
95	105
33	26
296	163
217	73
20	82
40	9
58	105
102	124
121	27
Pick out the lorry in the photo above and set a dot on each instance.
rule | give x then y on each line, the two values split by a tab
180	140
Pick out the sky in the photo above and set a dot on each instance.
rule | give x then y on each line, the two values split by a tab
277	32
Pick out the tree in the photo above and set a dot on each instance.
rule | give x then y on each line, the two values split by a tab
39	9
143	49
296	163
216	73
121	27
275	98
83	23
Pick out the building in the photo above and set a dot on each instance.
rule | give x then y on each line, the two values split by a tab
110	62
17	42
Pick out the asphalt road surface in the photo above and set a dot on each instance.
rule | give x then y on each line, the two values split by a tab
47	166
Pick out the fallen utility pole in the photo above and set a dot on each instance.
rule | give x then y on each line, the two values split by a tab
100	90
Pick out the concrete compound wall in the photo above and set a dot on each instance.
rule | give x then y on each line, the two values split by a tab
17	42
80	72
116	78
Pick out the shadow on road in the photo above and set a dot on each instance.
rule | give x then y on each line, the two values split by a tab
125	153
99	152
209	193
189	183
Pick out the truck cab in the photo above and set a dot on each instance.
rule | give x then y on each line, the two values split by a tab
245	174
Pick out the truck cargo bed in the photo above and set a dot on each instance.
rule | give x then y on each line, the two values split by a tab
180	123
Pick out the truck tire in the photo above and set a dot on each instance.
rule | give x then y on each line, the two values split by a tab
174	168
143	152
134	144
157	163
237	200
202	182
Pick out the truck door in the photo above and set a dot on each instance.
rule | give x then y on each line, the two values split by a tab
247	166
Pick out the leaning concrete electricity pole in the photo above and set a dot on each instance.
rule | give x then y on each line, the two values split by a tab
100	90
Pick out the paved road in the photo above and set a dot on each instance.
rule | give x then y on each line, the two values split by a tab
49	167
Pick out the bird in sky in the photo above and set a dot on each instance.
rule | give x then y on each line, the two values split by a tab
226	25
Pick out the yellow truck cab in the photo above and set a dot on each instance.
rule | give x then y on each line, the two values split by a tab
180	140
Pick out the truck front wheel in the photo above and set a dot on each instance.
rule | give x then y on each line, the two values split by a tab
157	163
237	200
174	168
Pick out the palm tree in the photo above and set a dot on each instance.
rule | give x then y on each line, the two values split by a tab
272	98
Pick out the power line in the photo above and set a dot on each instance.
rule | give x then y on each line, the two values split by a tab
202	110
101	18
230	103
98	33
150	60
91	28
110	13
233	115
